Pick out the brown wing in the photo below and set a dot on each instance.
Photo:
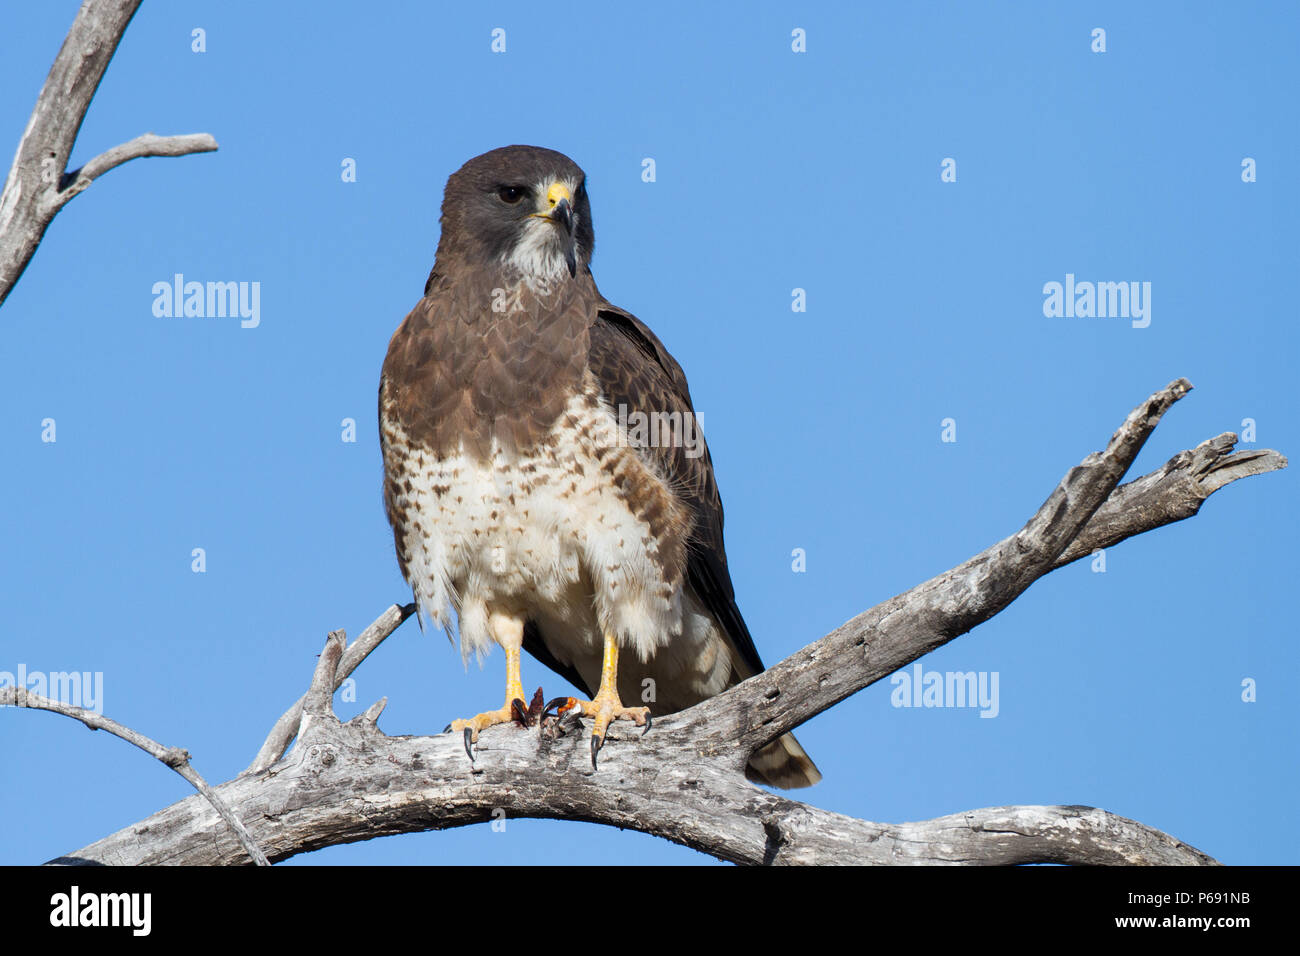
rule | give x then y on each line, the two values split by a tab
634	369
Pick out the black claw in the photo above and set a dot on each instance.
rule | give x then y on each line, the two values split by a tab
647	725
447	729
546	711
469	742
597	742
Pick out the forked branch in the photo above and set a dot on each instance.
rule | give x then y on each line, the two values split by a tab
344	782
38	184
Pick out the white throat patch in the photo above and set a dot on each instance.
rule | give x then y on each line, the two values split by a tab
538	256
539	253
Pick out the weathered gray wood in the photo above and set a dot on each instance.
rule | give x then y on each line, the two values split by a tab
684	781
286	727
1170	494
38	184
891	635
174	757
347	782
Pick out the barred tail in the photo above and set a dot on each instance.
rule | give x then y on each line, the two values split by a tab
783	764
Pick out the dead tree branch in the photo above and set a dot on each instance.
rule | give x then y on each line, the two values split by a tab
1171	494
38	184
346	782
286	727
174	757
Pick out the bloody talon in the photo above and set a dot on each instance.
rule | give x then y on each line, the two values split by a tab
561	706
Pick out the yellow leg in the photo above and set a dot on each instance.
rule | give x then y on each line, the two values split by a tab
607	706
509	632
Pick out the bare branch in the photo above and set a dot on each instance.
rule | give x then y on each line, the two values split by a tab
893	634
174	757
1171	494
138	148
286	727
684	782
38	185
348	782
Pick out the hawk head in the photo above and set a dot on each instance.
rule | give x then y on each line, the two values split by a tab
524	208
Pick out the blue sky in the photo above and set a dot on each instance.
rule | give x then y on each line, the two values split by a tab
775	170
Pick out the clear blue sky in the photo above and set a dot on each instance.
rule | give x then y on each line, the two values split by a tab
775	170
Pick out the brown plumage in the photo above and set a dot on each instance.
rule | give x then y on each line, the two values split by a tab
518	501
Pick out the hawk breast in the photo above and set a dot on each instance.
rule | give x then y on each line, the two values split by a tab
576	532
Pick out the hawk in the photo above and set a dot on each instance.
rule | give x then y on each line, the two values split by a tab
518	494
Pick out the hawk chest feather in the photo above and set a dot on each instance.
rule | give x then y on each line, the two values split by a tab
577	533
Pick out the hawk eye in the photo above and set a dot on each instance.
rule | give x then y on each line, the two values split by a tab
511	194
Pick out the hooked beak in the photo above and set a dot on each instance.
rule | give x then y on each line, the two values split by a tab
563	214
560	203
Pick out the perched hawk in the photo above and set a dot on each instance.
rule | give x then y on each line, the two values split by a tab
527	484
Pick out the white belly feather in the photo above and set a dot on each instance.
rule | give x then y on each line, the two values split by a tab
544	535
